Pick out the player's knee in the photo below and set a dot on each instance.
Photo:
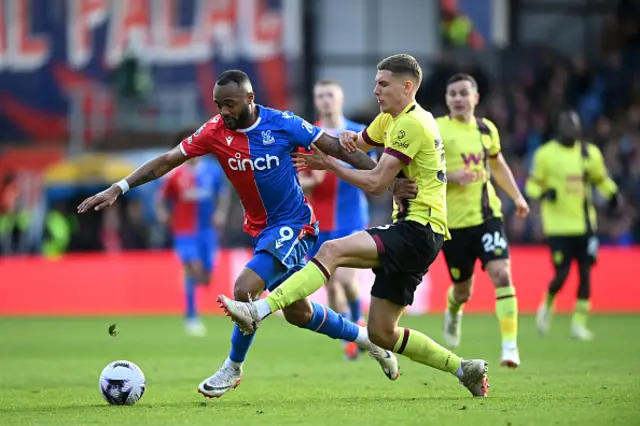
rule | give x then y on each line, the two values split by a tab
462	291
501	277
298	314
328	252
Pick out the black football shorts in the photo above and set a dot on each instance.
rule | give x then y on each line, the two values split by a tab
407	249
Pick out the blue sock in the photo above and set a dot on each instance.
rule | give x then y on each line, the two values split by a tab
329	323
355	309
240	345
190	294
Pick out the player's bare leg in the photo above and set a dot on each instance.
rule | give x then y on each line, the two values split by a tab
459	294
195	274
248	285
545	311
342	295
384	331
356	251
499	271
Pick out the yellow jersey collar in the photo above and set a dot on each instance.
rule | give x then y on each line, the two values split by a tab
406	109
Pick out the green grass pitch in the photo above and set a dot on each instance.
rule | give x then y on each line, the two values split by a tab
49	371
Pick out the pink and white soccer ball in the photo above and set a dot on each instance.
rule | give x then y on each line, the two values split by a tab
122	383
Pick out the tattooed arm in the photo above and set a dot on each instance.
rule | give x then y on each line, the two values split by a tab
151	170
157	167
330	145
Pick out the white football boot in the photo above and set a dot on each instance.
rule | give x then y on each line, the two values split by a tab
388	362
543	319
452	329
195	327
224	380
244	314
475	377
510	356
581	332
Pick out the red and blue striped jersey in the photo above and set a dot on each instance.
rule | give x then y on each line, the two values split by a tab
193	191
257	162
340	206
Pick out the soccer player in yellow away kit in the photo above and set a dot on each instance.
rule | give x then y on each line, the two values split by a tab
400	253
563	175
474	216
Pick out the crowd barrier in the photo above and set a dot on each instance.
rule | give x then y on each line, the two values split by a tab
139	283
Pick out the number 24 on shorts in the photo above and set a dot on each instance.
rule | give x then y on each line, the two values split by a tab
491	242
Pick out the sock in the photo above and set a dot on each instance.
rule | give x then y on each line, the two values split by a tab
420	348
355	310
363	339
582	312
230	363
326	321
452	304
549	300
300	285
240	346
507	313
190	295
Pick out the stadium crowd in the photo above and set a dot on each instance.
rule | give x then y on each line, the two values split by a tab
604	90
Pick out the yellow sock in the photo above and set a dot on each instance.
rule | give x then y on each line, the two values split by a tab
452	304
300	285
507	313
582	312
420	348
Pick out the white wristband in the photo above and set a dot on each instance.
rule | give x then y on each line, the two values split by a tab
124	185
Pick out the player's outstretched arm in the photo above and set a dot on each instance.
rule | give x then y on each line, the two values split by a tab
373	181
330	145
151	170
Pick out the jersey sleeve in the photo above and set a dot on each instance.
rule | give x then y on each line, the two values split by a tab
407	139
201	141
535	184
373	134
598	173
495	147
301	133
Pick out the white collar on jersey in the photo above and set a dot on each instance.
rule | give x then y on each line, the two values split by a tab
255	124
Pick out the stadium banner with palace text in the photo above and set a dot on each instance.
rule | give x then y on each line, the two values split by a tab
51	50
141	283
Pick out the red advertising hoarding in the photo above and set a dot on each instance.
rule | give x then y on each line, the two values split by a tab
151	283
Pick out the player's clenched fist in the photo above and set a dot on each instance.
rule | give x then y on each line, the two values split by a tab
349	140
101	200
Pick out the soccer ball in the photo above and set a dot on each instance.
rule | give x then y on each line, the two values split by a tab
122	383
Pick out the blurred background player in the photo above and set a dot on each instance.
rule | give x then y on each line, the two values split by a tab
194	199
474	216
564	173
341	209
